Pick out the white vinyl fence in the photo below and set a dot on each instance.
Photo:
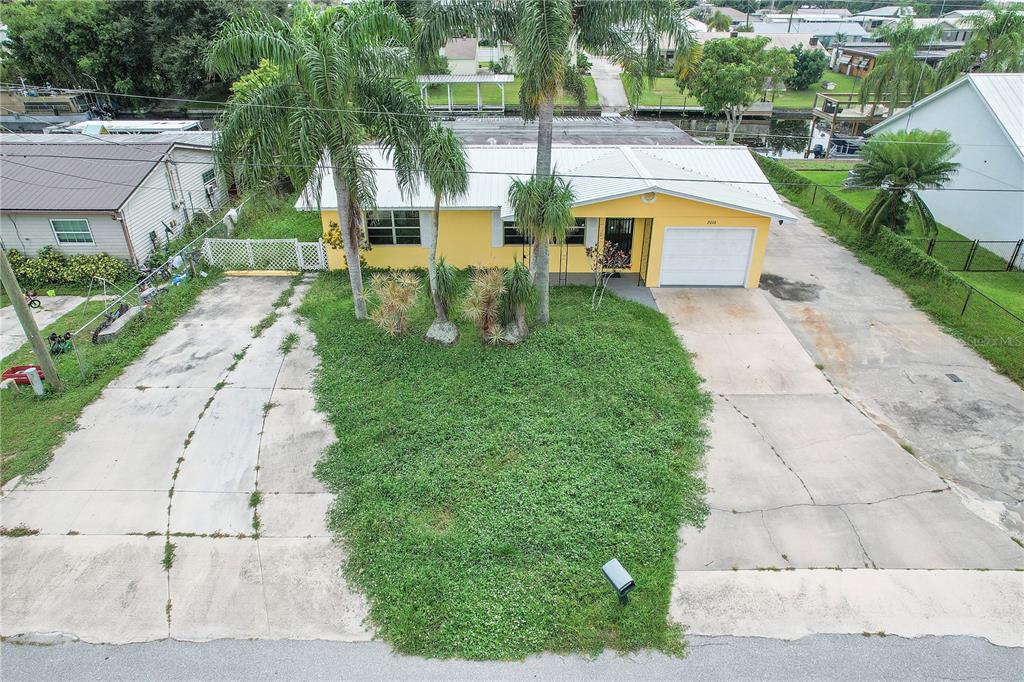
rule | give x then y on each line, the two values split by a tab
265	254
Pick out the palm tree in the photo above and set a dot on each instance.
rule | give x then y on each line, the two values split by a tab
332	80
719	21
996	44
543	208
446	171
898	73
901	164
544	35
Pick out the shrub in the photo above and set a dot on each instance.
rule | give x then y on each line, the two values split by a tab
393	295
483	303
51	267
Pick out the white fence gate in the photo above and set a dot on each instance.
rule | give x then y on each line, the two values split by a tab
265	254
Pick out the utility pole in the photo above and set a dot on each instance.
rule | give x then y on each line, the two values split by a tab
28	323
792	8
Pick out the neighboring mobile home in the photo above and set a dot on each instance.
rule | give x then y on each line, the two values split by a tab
688	215
984	114
116	194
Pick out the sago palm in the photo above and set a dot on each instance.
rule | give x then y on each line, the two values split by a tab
332	80
897	73
996	44
900	165
445	170
543	208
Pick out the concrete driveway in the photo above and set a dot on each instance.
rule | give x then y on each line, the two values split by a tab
611	94
821	521
11	335
172	450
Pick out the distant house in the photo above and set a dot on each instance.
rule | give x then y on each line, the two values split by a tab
984	114
462	56
122	194
827	33
859	60
880	16
128	127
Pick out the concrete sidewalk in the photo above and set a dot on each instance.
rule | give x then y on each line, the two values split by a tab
608	81
11	335
172	450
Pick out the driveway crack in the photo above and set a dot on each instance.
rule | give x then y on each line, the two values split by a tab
771	446
832	504
860	541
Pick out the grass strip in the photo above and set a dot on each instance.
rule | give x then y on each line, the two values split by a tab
480	489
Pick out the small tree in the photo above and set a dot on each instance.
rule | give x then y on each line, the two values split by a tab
604	263
900	164
808	66
519	292
392	296
733	72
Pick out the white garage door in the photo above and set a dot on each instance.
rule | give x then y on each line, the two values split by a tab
706	257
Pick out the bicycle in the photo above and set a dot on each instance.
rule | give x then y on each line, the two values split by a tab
32	300
108	320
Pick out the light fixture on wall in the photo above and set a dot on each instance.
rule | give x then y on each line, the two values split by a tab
649	197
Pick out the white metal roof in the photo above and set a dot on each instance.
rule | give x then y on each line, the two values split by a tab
1003	94
465	78
132	126
719	175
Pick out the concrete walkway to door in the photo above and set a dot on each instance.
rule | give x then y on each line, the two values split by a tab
820	521
172	452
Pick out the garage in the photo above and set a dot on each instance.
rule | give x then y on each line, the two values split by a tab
706	257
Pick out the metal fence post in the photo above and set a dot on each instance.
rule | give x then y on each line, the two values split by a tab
1013	256
815	195
970	290
970	255
931	245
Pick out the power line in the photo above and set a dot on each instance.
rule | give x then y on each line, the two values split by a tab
477	172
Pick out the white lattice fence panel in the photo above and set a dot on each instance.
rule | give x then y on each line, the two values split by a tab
313	256
265	254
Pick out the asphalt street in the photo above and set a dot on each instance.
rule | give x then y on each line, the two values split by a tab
819	657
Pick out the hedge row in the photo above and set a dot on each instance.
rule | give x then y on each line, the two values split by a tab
50	267
888	245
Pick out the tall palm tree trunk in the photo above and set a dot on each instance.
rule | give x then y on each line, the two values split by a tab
350	240
540	263
439	311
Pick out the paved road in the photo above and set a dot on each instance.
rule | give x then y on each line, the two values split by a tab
607	78
210	414
820	521
710	658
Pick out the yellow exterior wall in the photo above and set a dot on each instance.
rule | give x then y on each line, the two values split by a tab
465	236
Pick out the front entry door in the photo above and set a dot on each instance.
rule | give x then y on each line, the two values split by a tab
619	231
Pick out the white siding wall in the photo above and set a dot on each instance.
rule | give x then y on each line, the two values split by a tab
993	165
152	204
30	232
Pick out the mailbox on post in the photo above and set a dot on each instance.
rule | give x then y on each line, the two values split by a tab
620	579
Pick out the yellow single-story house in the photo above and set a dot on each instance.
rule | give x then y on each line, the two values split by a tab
688	215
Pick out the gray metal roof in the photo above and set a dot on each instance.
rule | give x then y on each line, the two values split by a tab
55	177
504	130
197	138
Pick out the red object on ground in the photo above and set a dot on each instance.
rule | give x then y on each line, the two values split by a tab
18	374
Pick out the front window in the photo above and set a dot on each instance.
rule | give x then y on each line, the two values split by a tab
72	231
208	176
512	234
393	227
575	233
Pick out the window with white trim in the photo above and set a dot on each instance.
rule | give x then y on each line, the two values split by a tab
208	176
393	227
576	232
510	234
72	231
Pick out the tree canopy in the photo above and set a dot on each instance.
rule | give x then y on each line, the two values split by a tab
154	47
808	66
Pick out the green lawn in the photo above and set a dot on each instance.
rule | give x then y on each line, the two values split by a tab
34	427
1007	288
480	489
989	330
273	216
665	92
465	94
